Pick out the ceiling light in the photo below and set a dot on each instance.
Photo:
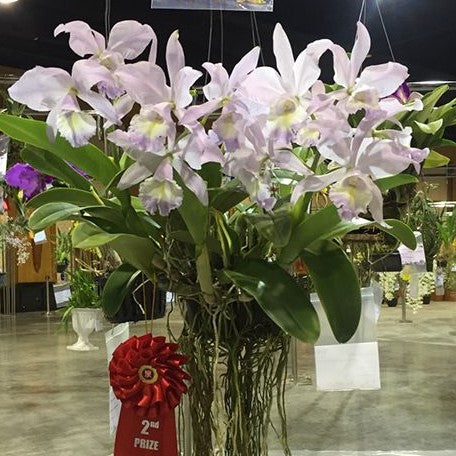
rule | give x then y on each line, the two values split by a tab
7	2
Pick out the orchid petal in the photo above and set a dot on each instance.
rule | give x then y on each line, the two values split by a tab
385	78
135	174
284	55
353	194
123	105
175	59
192	181
342	67
153	49
218	86
100	104
306	71
315	183
193	113
160	194
77	127
41	89
285	159
184	80
130	38
145	82
83	40
360	50
88	73
263	85
245	66
383	159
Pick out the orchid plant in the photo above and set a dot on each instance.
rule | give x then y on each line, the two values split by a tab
257	148
216	198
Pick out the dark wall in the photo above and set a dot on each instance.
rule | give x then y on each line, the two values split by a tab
422	32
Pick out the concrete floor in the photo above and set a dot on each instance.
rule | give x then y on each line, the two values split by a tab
53	402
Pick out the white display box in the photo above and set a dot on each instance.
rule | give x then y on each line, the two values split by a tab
355	364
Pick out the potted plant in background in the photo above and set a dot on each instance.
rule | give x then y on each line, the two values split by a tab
447	254
62	251
422	216
83	308
224	207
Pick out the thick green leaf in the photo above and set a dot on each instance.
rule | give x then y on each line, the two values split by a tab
314	227
51	213
279	295
401	231
435	160
275	227
212	174
447	142
33	132
430	128
137	251
393	227
388	183
69	195
195	215
49	163
337	286
117	286
227	197
429	102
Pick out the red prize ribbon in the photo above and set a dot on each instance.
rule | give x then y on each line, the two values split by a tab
146	376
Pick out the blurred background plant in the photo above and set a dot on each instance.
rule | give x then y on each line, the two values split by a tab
84	294
422	216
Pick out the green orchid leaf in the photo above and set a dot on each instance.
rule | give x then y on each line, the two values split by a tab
135	250
447	142
393	227
48	163
387	183
195	215
314	227
279	295
275	227
399	230
118	285
89	158
51	213
435	160
336	283
75	196
430	128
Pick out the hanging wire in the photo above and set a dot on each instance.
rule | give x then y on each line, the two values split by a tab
221	36
257	31
363	10
385	31
209	44
252	28
107	17
365	14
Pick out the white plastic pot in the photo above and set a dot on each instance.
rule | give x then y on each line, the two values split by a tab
84	323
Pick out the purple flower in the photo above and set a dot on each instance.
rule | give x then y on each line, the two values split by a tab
402	93
28	179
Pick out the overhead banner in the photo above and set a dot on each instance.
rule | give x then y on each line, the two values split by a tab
216	5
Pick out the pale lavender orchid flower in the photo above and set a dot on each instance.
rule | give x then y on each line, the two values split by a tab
357	160
127	40
363	89
55	91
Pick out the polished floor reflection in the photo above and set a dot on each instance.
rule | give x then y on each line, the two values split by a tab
53	402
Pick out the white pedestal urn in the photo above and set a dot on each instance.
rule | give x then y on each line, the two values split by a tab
84	322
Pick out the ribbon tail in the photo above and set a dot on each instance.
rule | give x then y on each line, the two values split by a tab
140	436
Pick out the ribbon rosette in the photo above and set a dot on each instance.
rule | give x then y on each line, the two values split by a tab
146	375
